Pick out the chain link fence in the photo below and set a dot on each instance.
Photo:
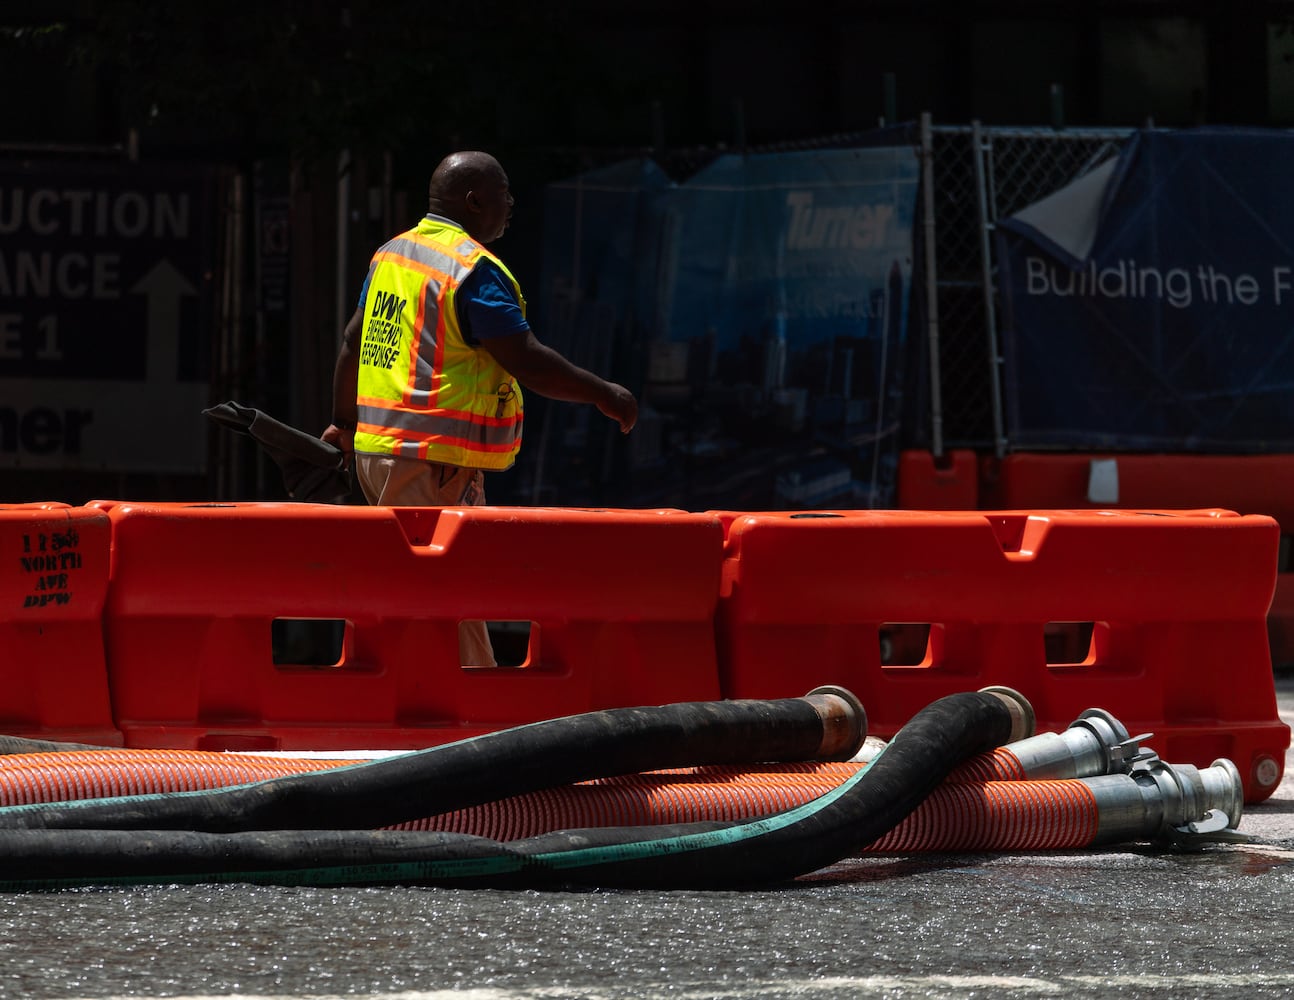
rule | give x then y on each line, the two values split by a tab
974	176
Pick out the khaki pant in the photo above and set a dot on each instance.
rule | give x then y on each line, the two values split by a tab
391	481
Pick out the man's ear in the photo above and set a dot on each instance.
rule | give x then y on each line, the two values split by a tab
473	202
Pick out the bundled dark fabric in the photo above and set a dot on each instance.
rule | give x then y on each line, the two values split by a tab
314	471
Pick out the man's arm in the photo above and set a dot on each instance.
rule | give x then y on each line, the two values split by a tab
345	383
548	373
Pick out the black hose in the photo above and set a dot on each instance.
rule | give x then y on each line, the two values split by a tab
60	859
828	723
800	840
753	852
21	744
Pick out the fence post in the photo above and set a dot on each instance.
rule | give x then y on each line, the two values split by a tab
932	281
986	264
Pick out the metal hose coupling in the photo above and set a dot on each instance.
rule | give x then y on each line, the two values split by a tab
1095	743
1024	721
844	721
1177	803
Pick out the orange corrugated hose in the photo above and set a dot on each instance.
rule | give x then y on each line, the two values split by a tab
982	806
988	815
998	816
996	765
84	774
94	774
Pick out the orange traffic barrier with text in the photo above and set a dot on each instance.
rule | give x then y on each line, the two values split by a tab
54	580
304	626
1155	616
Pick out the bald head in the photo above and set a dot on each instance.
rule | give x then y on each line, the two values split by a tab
471	188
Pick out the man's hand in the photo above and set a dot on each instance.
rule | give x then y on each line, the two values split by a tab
620	406
542	369
342	438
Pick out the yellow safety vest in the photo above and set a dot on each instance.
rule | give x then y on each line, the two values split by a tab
423	391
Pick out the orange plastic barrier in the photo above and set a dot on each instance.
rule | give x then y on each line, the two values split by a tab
1280	620
1248	484
947	483
53	582
1155	616
619	607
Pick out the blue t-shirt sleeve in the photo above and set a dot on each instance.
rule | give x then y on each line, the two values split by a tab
363	292
487	306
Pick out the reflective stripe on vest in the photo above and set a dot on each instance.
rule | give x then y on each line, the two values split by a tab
423	391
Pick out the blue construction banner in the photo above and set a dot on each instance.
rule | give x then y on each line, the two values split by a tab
1150	304
758	309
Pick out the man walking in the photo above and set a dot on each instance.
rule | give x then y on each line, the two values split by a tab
425	391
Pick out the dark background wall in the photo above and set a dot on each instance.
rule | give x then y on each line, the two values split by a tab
544	84
346	107
284	77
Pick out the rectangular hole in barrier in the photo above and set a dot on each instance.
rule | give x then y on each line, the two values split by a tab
1069	644
307	642
506	643
904	644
